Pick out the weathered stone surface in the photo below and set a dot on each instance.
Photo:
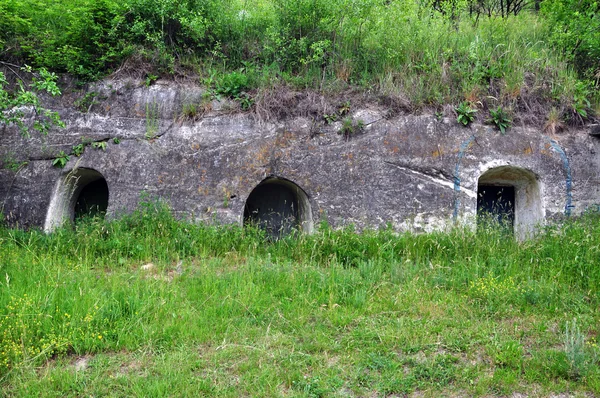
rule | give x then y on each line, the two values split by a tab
409	171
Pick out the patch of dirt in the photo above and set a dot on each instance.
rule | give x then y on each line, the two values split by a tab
80	364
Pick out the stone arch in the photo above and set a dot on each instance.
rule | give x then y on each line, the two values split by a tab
279	206
512	193
80	192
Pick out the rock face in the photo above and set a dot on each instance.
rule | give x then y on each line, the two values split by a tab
410	172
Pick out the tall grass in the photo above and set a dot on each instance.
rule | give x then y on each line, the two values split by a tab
101	286
399	48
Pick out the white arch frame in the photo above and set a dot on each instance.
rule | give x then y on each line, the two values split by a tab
529	206
65	195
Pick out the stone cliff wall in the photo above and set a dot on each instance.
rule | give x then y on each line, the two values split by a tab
413	172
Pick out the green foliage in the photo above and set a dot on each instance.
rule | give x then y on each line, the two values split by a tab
575	26
11	163
500	119
152	125
231	84
14	102
150	79
581	356
101	145
78	149
61	160
330	118
245	100
465	113
581	103
375	311
85	103
400	49
351	127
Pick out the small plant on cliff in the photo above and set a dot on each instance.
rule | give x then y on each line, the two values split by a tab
151	120
13	103
99	145
465	114
344	108
245	100
189	111
85	103
554	123
61	160
500	119
351	127
12	164
330	118
78	150
150	79
231	84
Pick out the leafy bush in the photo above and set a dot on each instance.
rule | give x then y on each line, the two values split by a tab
231	84
13	103
500	119
465	114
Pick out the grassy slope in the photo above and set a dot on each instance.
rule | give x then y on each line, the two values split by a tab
401	49
220	312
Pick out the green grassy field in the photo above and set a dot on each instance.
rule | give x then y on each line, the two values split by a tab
151	306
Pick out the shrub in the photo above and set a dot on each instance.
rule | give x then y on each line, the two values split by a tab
500	119
465	114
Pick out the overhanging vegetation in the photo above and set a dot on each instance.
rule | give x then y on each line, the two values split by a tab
538	59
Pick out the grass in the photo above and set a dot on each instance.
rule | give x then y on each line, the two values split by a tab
151	306
398	49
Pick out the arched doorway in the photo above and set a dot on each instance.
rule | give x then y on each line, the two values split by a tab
510	195
80	193
279	207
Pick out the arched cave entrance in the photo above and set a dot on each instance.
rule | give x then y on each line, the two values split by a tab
79	193
511	196
279	207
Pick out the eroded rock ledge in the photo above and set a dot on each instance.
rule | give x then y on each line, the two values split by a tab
216	165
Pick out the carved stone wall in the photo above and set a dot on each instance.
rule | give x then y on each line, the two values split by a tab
413	172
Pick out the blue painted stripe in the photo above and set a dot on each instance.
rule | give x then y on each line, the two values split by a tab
461	153
568	181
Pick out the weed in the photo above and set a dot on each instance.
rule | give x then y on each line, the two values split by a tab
348	126
344	109
151	120
507	354
575	349
116	140
231	84
245	101
330	118
189	111
150	79
60	160
85	103
12	164
351	127
465	113
78	149
99	145
500	119
553	123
